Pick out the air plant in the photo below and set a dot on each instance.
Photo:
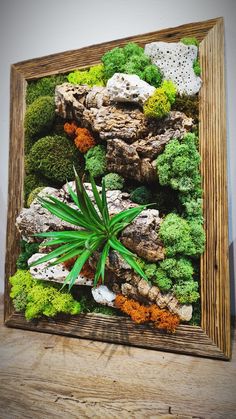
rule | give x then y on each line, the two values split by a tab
99	231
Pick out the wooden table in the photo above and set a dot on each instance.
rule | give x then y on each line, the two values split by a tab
44	376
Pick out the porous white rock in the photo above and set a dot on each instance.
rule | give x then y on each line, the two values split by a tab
103	295
57	273
175	60
128	88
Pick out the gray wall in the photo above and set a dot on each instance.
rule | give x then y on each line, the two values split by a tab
32	28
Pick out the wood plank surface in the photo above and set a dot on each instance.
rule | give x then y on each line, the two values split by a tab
215	293
44	376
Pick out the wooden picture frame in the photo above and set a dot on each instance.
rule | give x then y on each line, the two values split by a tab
212	339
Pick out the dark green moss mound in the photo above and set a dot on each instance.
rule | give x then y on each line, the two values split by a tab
188	105
39	116
27	250
43	87
131	60
141	195
54	157
31	182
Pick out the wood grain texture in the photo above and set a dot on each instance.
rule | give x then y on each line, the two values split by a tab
215	294
44	376
213	338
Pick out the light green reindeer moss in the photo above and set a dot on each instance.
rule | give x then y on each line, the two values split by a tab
113	181
92	77
38	299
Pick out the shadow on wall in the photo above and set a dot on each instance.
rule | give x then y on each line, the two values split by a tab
232	251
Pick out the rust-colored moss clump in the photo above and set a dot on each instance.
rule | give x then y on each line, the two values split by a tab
86	271
84	140
139	313
82	137
70	128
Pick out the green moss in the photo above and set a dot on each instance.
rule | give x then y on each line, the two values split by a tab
31	182
190	41
178	269
38	298
196	67
186	292
181	237
33	194
54	157
114	181
95	161
150	270
39	116
43	87
141	195
163	281
188	105
92	77
131	60
178	165
159	104
26	251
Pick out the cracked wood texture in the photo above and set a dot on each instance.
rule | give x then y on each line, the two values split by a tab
47	376
212	339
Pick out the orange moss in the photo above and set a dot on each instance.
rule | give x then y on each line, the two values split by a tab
70	128
86	271
84	140
140	313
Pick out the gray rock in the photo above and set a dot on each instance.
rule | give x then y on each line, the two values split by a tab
129	88
175	60
141	236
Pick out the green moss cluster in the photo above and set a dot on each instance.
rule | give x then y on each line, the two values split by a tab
39	117
141	195
114	181
159	104
92	77
95	161
131	60
178	167
43	87
186	292
190	41
26	251
37	299
54	157
182	237
196	67
33	194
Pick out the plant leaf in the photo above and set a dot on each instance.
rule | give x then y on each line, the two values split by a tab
100	271
127	215
75	271
96	194
55	253
105	212
136	267
116	245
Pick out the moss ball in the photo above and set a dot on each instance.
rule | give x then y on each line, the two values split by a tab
141	195
31	182
188	40
95	161
33	195
39	116
157	105
54	157
113	181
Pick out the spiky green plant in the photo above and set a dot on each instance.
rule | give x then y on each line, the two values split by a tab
99	231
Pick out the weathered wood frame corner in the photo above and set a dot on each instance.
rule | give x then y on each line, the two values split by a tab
212	339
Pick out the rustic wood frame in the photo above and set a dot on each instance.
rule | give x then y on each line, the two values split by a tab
212	339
